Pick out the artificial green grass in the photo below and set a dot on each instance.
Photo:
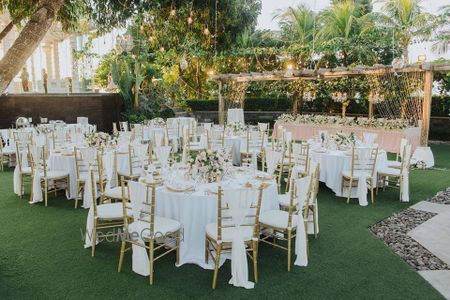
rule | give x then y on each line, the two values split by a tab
42	254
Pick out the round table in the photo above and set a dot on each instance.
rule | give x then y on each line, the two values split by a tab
194	210
333	162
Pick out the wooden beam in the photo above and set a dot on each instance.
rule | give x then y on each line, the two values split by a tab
221	105
426	109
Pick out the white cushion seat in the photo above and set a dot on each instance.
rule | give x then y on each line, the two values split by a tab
251	151
136	172
115	193
389	171
277	218
162	227
55	174
284	199
356	174
26	170
84	176
110	210
7	151
394	164
227	232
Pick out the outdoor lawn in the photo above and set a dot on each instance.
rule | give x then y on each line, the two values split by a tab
42	254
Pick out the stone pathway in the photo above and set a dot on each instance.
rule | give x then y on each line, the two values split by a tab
421	236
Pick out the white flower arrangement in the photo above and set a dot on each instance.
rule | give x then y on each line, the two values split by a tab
210	164
343	140
98	139
236	127
420	165
158	122
395	124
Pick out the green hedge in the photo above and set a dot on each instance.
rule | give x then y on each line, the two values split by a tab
260	104
440	105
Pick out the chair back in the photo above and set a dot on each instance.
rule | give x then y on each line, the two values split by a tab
299	197
238	207
364	159
300	155
85	157
138	156
123	126
272	159
406	159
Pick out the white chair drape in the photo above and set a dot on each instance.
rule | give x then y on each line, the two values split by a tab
302	187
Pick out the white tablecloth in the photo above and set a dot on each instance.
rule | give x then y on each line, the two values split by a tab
194	211
334	162
235	115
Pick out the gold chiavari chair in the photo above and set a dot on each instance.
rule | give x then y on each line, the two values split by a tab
298	158
155	234
137	132
188	143
219	235
23	137
82	170
398	158
282	224
51	180
313	207
59	137
360	167
286	158
138	157
22	165
105	216
254	146
6	155
216	138
123	126
394	177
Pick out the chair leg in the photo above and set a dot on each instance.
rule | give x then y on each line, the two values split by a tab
372	196
178	249
76	195
289	250
216	265
378	182
206	250
255	260
46	191
315	221
152	253
401	188
94	238
350	187
122	254
342	185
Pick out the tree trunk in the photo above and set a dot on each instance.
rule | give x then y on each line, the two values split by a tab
6	30
28	40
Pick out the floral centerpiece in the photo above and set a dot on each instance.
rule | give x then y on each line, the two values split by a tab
158	122
43	129
98	139
386	124
342	140
210	164
236	127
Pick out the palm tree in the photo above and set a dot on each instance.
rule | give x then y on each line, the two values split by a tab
408	20
342	23
442	32
297	24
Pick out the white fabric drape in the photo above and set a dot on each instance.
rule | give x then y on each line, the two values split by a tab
90	189
272	159
363	156
138	192
163	154
239	202
302	187
405	174
37	191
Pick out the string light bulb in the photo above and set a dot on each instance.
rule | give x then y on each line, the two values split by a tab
206	31
173	12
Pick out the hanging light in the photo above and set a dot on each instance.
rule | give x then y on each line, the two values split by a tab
376	97
289	71
162	49
339	97
183	63
173	12
206	31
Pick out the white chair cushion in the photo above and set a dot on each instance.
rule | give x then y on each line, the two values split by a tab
389	171
110	211
227	232
26	170
394	164
277	218
284	199
55	174
115	193
162	227
356	174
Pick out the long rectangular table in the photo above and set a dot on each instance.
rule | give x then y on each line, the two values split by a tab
388	140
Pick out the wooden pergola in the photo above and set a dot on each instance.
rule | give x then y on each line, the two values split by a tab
323	73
